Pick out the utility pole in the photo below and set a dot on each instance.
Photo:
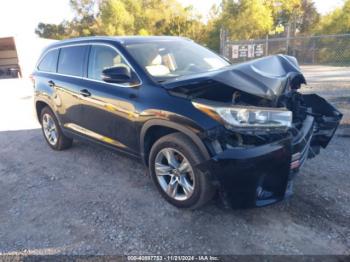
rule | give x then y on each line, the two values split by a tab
288	38
223	37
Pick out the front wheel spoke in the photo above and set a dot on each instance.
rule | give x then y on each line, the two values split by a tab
53	135
172	187
184	167
162	170
170	157
186	186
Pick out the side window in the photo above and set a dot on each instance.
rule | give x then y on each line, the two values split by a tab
102	57
49	62
71	60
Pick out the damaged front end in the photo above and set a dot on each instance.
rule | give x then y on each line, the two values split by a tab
268	129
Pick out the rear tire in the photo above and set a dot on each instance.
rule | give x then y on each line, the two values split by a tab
172	163
52	131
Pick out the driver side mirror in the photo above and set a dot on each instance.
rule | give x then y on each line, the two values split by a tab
117	74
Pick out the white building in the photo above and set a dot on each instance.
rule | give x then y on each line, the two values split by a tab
19	54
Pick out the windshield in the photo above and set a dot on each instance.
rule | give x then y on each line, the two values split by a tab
168	59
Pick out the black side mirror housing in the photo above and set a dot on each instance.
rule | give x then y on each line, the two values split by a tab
117	74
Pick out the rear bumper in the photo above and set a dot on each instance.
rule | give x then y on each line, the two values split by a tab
262	175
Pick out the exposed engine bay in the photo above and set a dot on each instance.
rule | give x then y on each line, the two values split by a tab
270	82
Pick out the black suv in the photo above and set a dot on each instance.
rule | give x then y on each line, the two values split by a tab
201	125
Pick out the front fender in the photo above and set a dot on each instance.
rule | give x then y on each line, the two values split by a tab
173	125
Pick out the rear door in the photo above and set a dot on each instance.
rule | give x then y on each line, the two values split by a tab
71	67
45	75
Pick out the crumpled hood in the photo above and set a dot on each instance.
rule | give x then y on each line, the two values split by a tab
265	77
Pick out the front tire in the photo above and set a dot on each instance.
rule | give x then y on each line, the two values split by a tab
172	163
52	131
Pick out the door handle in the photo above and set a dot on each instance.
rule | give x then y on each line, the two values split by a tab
85	92
51	83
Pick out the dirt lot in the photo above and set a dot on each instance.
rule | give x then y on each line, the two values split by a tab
88	200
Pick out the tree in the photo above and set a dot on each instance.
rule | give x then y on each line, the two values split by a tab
51	31
83	24
83	8
115	17
337	22
300	16
334	50
246	19
309	17
283	11
213	27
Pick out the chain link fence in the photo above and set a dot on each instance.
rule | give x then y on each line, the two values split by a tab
333	50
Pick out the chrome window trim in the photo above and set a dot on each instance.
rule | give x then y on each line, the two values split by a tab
86	78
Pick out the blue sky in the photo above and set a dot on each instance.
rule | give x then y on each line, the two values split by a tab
20	17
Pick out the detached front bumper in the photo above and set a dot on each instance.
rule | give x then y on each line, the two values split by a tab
262	175
245	175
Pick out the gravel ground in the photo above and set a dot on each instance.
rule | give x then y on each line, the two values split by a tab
89	200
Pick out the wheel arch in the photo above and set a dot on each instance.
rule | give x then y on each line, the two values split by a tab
40	104
152	130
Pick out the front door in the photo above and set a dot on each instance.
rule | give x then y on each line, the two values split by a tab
109	109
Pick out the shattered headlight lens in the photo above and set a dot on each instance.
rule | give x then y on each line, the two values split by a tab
248	117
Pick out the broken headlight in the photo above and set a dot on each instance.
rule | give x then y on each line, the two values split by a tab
236	117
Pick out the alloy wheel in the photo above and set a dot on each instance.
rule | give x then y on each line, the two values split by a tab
174	174
50	129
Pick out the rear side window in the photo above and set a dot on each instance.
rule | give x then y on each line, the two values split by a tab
49	62
71	60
